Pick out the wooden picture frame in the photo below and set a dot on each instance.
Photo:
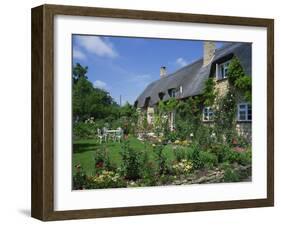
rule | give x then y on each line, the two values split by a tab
43	112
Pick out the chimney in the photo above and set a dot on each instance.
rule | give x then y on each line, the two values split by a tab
163	72
209	52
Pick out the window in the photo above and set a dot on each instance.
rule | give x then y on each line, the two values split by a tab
208	114
161	95
244	112
223	68
172	92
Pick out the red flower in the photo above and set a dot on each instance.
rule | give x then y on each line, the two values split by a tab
99	164
239	149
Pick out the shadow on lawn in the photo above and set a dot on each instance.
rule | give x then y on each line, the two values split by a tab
84	147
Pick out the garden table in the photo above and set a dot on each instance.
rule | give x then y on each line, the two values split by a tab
112	133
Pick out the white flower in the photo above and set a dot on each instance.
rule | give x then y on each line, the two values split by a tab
191	135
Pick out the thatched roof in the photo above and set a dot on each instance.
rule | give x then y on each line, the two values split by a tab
191	78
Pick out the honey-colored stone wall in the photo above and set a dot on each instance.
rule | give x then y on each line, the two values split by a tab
221	87
150	115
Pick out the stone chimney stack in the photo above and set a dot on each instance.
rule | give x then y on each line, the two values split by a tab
163	72
209	52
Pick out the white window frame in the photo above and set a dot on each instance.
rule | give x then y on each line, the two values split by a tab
246	110
222	69
210	113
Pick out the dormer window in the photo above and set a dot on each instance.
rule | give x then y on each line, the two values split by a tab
146	102
161	95
172	92
223	69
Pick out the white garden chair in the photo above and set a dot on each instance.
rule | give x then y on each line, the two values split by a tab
99	135
104	133
119	134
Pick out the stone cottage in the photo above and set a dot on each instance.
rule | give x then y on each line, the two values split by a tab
190	80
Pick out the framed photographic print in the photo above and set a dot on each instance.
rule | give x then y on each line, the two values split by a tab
141	112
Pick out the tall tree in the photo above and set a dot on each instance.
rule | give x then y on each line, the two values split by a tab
78	72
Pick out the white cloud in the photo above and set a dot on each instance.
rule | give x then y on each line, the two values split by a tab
78	54
97	46
181	62
100	84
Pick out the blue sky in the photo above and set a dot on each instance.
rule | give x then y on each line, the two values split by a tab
125	66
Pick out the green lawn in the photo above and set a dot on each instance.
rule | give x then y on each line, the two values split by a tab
83	152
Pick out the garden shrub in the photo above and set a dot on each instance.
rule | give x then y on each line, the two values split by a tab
243	158
82	130
221	151
179	153
102	160
231	175
182	167
193	154
131	162
204	136
149	173
161	159
171	136
79	180
106	179
209	159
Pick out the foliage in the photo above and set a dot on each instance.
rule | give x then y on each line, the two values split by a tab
179	153
102	160
149	171
89	101
209	94
79	179
106	179
193	154
188	117
242	158
210	160
224	117
131	162
78	72
161	159
238	78
182	167
83	130
231	175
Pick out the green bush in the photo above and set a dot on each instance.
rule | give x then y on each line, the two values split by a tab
243	158
79	181
171	136
204	136
149	173
193	154
106	179
221	151
209	159
102	160
161	159
179	153
83	130
231	176
131	162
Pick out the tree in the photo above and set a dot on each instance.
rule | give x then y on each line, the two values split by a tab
78	72
238	78
88	101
